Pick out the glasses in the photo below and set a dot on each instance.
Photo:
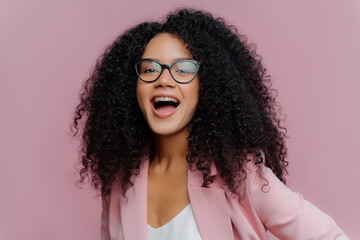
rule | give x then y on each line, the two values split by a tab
183	71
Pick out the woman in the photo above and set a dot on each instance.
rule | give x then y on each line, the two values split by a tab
183	138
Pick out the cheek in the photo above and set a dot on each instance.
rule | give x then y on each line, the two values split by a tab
141	96
195	93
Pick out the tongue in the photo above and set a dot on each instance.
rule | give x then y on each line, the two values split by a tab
164	109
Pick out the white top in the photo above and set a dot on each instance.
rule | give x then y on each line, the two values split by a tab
182	226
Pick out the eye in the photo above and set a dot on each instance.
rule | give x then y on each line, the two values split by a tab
149	70
183	70
185	67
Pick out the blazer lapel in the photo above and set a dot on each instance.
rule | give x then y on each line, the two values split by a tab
133	210
209	206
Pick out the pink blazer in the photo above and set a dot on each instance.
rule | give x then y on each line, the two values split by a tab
220	217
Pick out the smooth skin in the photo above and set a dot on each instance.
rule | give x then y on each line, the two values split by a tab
167	176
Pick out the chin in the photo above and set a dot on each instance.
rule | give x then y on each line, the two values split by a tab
167	129
163	131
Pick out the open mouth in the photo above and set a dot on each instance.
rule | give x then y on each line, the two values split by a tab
164	106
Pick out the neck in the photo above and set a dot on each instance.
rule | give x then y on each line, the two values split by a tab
169	153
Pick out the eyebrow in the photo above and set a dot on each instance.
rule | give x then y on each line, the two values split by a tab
174	60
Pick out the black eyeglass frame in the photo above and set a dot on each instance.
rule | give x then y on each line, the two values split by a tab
166	66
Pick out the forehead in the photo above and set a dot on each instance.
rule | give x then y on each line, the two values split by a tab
166	48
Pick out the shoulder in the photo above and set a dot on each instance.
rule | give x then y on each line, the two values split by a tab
258	176
262	184
265	192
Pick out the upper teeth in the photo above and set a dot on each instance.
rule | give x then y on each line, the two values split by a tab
165	99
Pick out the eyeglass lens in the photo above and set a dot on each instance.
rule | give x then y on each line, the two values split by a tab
182	71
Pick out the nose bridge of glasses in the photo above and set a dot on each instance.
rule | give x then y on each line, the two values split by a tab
168	67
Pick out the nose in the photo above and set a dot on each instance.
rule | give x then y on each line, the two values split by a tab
165	79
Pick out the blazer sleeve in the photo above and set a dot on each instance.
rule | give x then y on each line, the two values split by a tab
286	214
105	235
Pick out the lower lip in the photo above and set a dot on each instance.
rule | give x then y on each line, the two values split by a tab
161	114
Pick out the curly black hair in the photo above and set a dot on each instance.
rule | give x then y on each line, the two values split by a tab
236	114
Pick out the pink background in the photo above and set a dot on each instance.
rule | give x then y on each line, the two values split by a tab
47	48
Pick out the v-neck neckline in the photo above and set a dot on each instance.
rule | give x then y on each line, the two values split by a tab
173	219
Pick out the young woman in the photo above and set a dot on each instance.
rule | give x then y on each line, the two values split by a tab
183	139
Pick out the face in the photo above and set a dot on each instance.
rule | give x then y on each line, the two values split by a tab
170	119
